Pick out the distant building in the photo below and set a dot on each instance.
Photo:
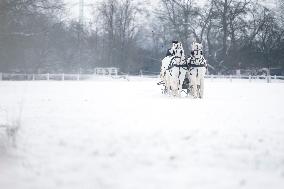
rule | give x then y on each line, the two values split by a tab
107	71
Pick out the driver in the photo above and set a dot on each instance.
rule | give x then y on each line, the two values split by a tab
171	52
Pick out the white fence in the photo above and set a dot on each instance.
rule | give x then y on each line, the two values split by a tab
63	77
30	77
250	78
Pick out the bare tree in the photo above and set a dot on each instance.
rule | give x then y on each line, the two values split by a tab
179	17
230	14
269	37
108	10
120	28
24	31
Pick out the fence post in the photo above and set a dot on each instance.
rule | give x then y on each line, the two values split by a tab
268	78
249	78
33	77
211	77
230	78
47	76
1	76
62	76
275	77
141	73
78	76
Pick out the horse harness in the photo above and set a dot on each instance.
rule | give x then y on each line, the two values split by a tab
180	66
192	64
187	66
171	65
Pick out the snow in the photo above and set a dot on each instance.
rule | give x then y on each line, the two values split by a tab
120	134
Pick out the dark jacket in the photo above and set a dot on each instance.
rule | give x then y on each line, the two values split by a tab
169	53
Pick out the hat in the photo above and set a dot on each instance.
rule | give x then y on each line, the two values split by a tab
175	41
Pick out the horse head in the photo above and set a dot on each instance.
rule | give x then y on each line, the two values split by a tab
179	52
197	50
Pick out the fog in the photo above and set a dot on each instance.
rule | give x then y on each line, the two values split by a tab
51	37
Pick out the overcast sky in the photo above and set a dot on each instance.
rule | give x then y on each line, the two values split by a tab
73	6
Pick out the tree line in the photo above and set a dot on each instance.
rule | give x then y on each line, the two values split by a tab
36	37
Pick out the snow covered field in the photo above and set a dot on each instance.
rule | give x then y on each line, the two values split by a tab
127	135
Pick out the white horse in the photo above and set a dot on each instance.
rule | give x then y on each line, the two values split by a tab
176	71
164	71
165	67
197	70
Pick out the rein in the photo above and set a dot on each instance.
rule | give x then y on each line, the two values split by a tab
171	65
196	66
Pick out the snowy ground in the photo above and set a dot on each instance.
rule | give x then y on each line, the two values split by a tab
126	135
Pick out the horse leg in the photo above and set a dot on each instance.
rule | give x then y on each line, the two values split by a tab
168	84
173	86
181	80
194	89
201	82
193	83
